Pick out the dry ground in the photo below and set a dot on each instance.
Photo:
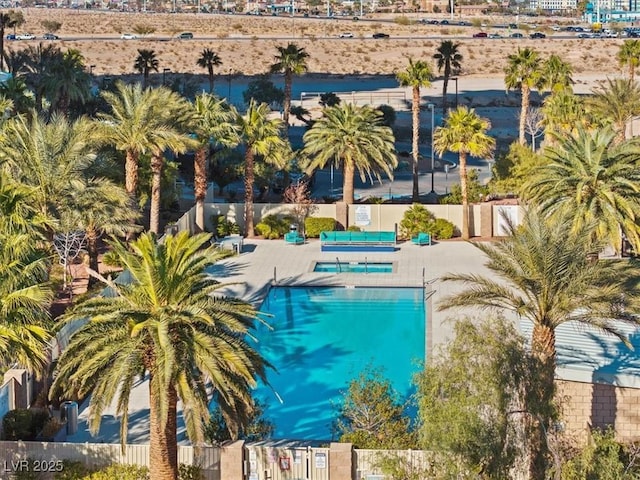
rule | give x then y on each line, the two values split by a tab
246	44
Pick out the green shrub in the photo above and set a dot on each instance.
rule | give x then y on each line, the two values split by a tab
354	228
314	225
190	472
273	226
442	229
72	470
121	472
415	220
223	227
24	423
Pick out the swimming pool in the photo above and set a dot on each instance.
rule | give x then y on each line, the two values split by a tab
323	337
353	267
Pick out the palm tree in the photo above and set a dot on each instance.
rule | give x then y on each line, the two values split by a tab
544	272
524	72
15	89
416	75
168	326
615	103
213	122
171	133
40	60
291	60
464	132
145	62
209	59
47	156
557	74
629	55
564	112
449	59
6	20
25	297
355	138
67	81
594	180
18	214
260	136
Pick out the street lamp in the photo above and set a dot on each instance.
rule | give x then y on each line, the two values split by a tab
164	75
455	79
229	85
431	107
91	67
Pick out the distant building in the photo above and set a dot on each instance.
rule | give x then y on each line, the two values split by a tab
553	5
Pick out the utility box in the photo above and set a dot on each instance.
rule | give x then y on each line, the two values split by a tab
69	413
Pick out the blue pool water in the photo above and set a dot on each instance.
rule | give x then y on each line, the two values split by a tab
322	338
353	267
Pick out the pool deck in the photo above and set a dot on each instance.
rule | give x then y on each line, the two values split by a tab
272	262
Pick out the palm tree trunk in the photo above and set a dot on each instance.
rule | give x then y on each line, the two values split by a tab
524	108
287	100
92	250
415	121
2	47
200	185
248	192
163	448
156	178
347	183
210	68
543	347
465	195
145	78
445	85
131	173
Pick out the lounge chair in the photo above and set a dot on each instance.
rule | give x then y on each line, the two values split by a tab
293	238
421	239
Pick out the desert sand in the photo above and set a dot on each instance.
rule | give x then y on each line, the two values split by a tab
247	44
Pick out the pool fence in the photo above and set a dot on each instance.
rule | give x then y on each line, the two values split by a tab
277	460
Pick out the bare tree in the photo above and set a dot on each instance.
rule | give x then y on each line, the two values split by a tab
533	125
298	194
68	245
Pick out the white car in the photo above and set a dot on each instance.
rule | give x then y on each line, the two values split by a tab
346	35
25	36
128	36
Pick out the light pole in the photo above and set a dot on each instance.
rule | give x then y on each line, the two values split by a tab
164	75
455	79
431	107
229	86
91	67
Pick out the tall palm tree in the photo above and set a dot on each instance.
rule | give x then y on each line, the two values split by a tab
6	20
464	132
449	59
629	55
563	112
171	133
47	156
40	60
25	297
595	180
354	138
209	59
524	72
213	122
291	60
417	75
144	63
18	214
615	102
15	89
167	326
133	124
557	74
544	272
260	137
67	81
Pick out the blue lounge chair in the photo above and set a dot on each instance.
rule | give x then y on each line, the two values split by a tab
294	238
422	239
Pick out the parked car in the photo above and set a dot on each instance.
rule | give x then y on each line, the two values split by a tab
495	35
380	35
50	36
480	35
346	35
185	36
516	35
25	36
11	36
538	35
128	36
